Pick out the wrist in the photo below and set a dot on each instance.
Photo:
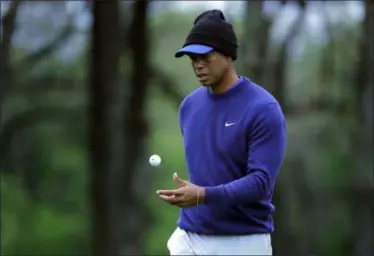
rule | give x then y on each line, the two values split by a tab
201	195
214	195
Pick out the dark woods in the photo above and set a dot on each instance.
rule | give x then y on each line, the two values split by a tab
114	200
119	99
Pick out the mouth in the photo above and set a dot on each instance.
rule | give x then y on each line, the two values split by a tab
202	77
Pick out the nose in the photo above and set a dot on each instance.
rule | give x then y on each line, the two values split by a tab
198	64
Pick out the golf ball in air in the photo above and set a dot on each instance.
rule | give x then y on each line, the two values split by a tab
155	160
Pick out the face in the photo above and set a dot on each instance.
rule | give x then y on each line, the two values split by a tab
210	68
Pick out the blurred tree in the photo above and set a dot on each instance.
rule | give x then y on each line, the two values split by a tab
269	69
8	24
104	84
120	214
13	124
361	189
324	191
135	218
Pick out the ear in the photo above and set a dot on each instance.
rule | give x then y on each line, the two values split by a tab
230	60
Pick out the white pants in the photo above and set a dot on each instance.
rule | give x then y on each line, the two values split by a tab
182	242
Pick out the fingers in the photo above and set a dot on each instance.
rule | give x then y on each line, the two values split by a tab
173	199
180	201
178	191
175	196
171	192
179	181
168	198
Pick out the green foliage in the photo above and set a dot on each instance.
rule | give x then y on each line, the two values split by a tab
58	223
169	146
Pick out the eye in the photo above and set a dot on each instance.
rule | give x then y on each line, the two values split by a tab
193	57
205	57
200	57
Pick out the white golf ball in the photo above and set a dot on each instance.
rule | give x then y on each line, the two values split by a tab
155	160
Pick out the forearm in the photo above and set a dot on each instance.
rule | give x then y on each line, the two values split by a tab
250	188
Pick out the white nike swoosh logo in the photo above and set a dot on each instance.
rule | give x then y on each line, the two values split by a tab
229	124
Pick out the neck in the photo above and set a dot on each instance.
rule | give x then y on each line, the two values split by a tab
229	80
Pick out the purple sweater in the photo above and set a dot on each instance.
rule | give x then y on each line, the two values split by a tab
234	147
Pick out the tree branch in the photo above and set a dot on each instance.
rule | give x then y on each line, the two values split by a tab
30	118
317	105
46	50
280	65
328	52
45	84
253	51
9	23
166	85
30	60
363	72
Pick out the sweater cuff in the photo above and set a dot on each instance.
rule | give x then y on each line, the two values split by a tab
214	195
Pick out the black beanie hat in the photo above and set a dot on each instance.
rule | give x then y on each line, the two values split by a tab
213	30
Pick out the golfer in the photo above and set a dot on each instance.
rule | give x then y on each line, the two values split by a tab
234	139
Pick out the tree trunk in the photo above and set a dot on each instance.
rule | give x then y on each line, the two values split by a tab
105	53
8	24
362	144
134	217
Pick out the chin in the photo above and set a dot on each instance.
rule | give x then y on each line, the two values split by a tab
205	83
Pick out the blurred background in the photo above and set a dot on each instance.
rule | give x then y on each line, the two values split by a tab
90	90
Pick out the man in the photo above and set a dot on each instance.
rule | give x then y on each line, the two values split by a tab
234	137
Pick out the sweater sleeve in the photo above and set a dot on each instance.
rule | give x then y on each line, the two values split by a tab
182	110
267	143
